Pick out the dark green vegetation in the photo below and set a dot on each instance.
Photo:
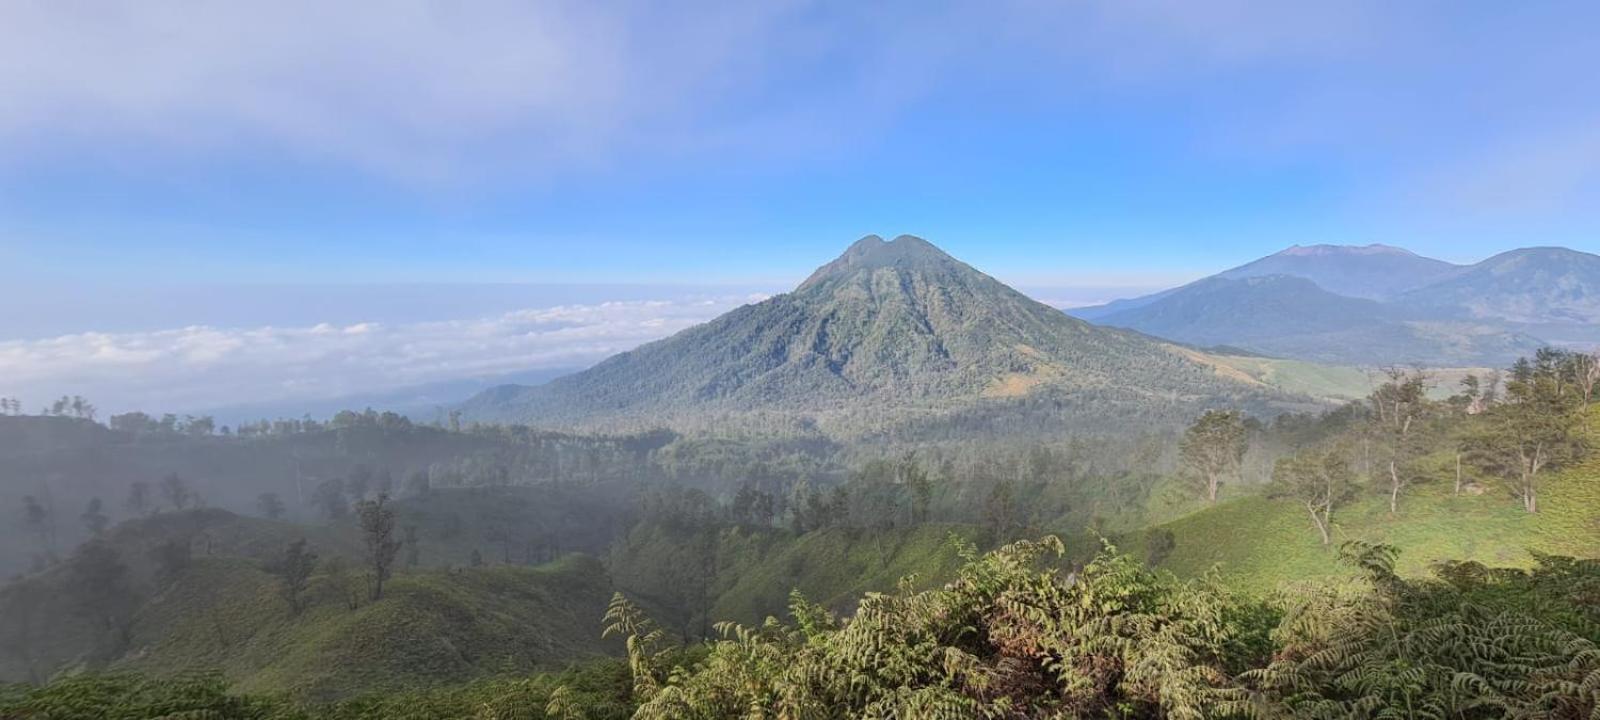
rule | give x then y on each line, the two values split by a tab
1378	305
891	340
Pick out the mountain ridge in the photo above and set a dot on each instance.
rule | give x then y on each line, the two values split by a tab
1427	311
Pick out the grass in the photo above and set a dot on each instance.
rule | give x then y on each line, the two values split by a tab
1333	382
834	567
431	627
1258	544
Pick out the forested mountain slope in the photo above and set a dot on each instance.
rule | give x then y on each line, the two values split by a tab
890	332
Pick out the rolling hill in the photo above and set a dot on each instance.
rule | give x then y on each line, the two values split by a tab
890	333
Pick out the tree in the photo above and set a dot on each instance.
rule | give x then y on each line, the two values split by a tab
1317	479
329	497
138	502
377	528
94	518
1213	448
915	479
40	521
176	492
199	426
1000	510
294	569
1399	406
270	505
1534	428
413	551
1585	369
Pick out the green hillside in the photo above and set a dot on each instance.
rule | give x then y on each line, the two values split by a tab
431	628
1259	543
834	567
745	575
220	610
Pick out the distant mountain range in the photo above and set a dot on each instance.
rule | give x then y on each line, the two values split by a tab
1376	305
425	403
891	338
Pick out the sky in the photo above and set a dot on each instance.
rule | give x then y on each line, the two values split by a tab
178	175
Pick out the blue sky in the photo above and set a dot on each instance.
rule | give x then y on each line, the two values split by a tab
642	142
150	147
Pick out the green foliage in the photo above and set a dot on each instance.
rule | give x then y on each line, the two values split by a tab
1212	450
129	697
1420	649
1011	636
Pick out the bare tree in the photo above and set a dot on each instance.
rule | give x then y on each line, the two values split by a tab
1317	479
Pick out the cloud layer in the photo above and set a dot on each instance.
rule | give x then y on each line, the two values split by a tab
200	367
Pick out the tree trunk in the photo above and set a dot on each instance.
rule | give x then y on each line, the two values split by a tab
1394	489
1322	525
1211	488
1458	472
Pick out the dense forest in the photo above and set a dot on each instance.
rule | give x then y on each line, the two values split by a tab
1429	546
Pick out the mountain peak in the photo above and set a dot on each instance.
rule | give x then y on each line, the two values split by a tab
1326	250
873	252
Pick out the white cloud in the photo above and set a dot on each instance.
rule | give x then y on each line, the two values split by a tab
199	367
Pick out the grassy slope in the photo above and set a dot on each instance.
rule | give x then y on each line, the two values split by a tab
1259	543
1332	382
835	567
431	627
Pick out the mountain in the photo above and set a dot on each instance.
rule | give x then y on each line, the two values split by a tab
1541	285
1294	317
890	332
422	403
1377	304
1372	272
